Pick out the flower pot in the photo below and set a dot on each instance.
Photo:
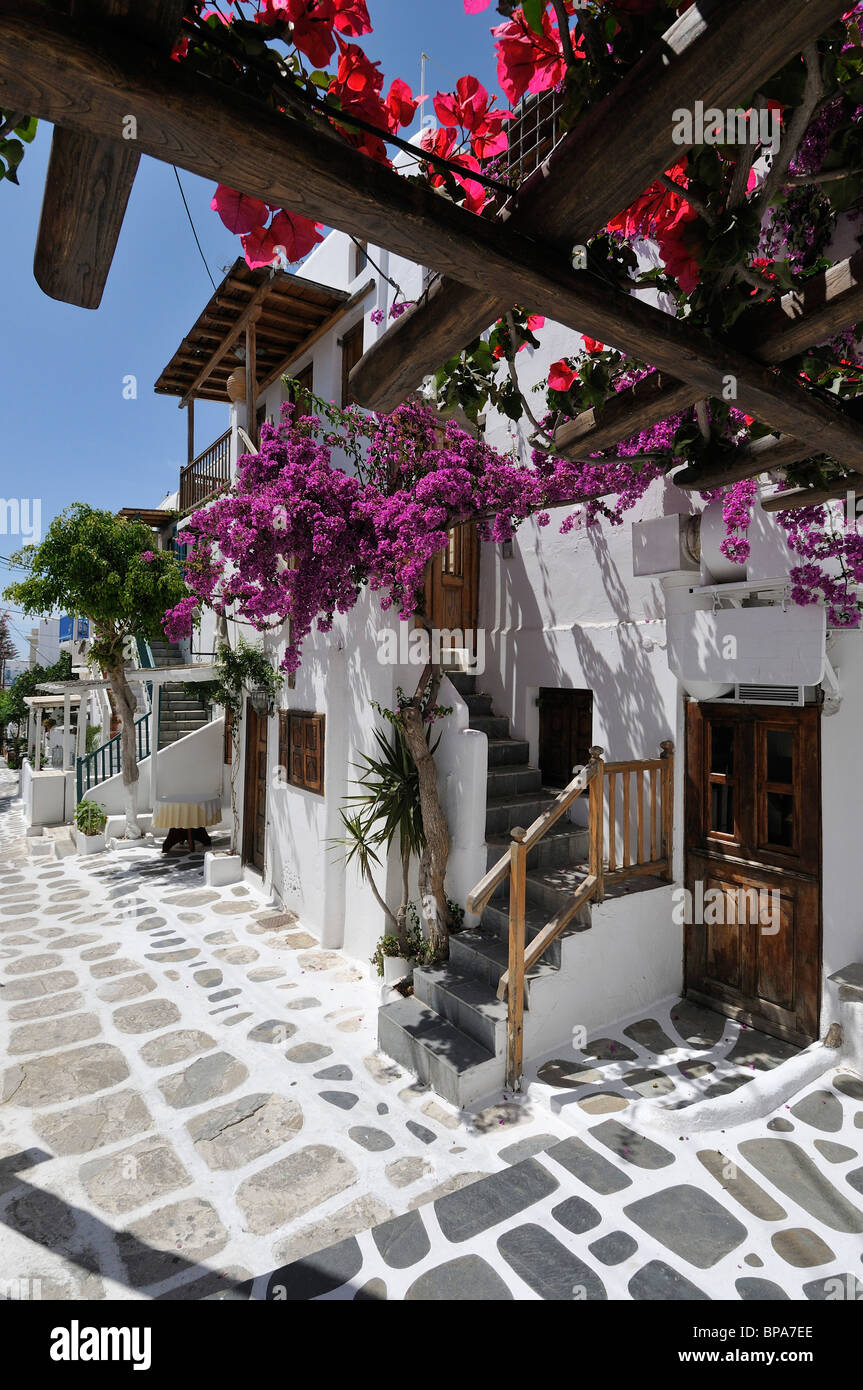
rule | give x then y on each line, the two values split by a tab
396	968
236	385
90	844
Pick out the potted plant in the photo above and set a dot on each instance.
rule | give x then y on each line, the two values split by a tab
390	961
90	823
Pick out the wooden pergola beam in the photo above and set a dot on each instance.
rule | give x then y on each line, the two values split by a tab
829	303
302	348
603	165
89	79
89	178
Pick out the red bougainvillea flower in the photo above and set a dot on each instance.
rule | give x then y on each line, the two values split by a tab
240	213
356	72
535	322
592	346
259	248
476	6
654	208
677	255
467	106
491	138
352	18
561	375
527	62
311	25
441	143
400	105
295	233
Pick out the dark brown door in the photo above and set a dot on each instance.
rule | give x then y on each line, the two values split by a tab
753	865
565	733
452	582
255	797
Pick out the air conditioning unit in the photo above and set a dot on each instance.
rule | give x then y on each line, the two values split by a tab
749	694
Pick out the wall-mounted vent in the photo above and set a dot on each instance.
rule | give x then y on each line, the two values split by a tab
769	694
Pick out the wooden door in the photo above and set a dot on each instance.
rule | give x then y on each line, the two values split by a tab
452	582
565	733
753	865
255	794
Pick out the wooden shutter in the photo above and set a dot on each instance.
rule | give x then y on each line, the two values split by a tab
229	737
352	351
284	742
305	751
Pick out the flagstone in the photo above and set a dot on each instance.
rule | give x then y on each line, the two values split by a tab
793	1172
464	1214
614	1248
402	1241
588	1166
548	1267
131	1177
146	1017
375	1140
34	965
265	972
760	1291
99	952
359	1215
688	1222
129	987
658	1282
629	1145
208	978
238	955
210	1076
46	1006
304	1053
293	1186
174	955
175	1047
802	1248
230	1285
469	1279
113	967
404	1171
186	1233
72	943
32	986
835	1153
740	1186
96	1123
273	1030
849	1086
820	1109
51	1033
235	1134
64	1075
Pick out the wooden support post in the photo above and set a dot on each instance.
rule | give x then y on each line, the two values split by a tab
190	431
515	992
597	819
38	756
251	382
667	755
67	720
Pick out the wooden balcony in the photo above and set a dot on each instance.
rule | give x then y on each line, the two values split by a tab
206	475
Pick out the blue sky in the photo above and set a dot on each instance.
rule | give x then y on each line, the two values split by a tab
68	434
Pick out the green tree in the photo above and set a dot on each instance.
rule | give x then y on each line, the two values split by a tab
99	565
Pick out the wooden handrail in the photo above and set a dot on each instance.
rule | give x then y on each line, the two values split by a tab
647	851
478	898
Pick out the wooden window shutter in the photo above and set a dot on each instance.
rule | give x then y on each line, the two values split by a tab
295	762
284	742
313	753
229	737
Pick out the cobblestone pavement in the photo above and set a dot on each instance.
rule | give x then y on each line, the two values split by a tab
192	1106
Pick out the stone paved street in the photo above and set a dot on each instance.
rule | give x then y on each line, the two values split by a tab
192	1105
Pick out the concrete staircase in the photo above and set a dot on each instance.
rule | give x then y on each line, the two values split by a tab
452	1031
180	713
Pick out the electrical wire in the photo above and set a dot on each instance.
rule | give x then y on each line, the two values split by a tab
192	225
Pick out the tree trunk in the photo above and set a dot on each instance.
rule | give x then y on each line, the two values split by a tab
433	862
127	708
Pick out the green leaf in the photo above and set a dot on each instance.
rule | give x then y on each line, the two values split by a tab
533	11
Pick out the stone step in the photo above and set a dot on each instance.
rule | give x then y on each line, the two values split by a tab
438	1053
478	703
464	684
502	813
504	752
495	921
552	887
557	847
494	725
511	781
470	1004
483	956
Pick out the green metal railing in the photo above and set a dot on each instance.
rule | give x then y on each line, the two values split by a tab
107	759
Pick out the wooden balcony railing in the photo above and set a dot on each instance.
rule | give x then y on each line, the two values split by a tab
646	820
207	474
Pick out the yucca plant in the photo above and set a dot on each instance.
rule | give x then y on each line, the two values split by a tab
384	810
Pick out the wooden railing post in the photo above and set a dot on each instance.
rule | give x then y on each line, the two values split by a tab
597	819
667	756
515	991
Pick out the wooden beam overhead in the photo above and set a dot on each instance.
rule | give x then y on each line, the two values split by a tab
602	166
89	178
87	79
819	309
302	348
251	311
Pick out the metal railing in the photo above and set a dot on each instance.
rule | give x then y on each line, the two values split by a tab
531	136
107	759
208	474
646	834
